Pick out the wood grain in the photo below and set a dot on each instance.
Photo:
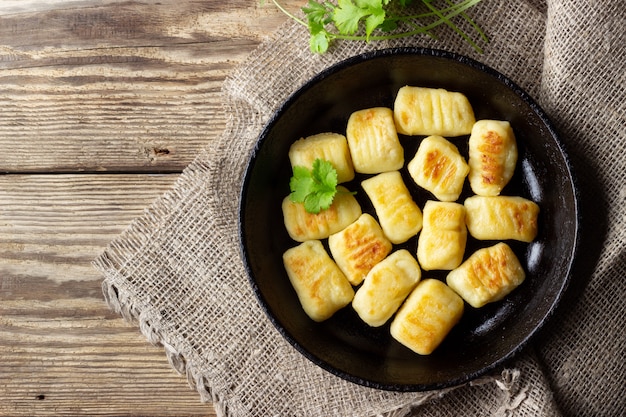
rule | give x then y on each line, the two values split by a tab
102	104
119	87
75	217
63	352
75	358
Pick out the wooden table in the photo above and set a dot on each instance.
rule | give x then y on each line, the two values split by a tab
102	105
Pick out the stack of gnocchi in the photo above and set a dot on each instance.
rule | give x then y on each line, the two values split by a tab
348	256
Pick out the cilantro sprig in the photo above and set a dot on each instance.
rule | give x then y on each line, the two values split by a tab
375	20
316	188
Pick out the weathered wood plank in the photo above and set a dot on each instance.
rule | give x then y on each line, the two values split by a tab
90	364
141	127
119	87
39	27
99	87
63	352
53	226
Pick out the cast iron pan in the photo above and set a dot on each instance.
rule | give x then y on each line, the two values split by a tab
485	337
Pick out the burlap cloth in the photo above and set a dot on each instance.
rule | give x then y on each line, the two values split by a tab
177	270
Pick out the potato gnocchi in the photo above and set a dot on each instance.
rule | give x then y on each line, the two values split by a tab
373	141
332	147
501	218
492	156
427	316
385	287
302	225
439	168
362	266
359	247
399	216
487	276
319	283
441	244
432	111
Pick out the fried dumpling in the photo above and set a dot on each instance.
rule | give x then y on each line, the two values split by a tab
427	316
439	168
432	111
441	244
501	218
373	141
492	156
385	287
359	247
302	225
399	216
319	283
332	147
488	275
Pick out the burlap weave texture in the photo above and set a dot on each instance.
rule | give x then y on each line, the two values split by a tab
177	269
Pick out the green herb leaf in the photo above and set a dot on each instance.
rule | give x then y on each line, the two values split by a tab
318	13
347	16
373	21
316	188
301	184
319	42
377	20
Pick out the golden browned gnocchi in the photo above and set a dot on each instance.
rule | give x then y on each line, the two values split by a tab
488	275
441	244
359	247
385	287
432	111
439	168
492	156
302	225
332	147
320	285
427	316
373	141
501	218
399	216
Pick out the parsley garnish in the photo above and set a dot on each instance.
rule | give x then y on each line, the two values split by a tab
316	188
358	20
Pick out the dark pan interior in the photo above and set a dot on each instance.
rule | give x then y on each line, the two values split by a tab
485	337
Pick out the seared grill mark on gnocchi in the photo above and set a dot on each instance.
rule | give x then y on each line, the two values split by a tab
492	156
359	247
439	168
502	218
427	316
488	275
319	283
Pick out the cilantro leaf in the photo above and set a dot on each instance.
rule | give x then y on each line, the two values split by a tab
377	20
319	42
325	173
318	13
347	16
326	198
315	188
373	21
301	184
